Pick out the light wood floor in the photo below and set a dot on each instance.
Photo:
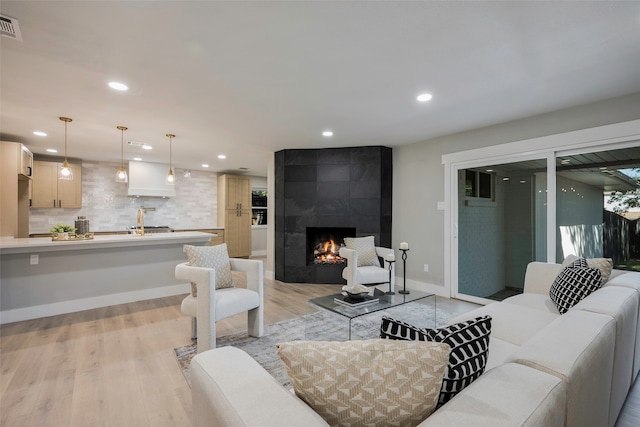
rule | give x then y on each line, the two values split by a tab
115	366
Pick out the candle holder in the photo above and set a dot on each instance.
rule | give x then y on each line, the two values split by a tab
390	271
404	290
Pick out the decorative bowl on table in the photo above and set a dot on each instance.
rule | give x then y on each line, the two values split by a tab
357	292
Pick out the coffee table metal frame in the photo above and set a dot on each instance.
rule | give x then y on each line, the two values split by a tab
386	301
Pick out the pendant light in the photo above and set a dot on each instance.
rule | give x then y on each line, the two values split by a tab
171	179
65	171
121	175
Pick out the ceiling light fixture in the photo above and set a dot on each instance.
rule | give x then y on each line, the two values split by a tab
121	175
39	133
222	156
118	86
327	133
147	147
424	97
204	165
171	179
51	150
137	159
65	171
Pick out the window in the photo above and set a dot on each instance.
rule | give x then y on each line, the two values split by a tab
259	206
478	184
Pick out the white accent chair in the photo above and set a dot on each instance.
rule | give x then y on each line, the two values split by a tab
213	304
368	275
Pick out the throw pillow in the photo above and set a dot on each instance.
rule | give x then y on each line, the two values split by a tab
366	249
215	257
574	283
367	383
469	342
605	265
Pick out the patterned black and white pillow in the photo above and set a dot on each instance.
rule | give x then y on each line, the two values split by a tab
469	342
574	283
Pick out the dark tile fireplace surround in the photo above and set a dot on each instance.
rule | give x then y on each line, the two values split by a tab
328	193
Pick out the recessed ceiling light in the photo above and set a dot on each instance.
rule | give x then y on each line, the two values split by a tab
137	159
51	150
506	178
424	97
118	86
204	165
39	133
565	161
489	170
147	147
327	133
222	156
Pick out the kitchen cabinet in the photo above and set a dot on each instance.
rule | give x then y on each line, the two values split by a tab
50	192
14	197
234	213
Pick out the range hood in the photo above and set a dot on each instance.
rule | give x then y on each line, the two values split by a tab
149	179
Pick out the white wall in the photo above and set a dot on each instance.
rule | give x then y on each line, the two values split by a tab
418	181
580	219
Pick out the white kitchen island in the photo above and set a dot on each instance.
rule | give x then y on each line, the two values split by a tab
40	277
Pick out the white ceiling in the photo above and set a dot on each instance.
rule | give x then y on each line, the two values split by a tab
250	78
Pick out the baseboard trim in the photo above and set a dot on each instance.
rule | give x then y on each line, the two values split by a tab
64	307
431	288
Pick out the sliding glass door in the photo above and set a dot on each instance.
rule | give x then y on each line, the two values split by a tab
598	206
581	202
501	226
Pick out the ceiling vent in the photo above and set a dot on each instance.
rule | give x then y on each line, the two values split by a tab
9	27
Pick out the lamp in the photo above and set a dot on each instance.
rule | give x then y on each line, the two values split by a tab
121	175
65	171
171	179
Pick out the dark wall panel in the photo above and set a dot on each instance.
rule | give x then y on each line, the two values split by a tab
332	187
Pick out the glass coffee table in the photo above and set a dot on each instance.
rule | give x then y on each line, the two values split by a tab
422	316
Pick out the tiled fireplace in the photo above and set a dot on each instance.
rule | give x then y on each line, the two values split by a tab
322	196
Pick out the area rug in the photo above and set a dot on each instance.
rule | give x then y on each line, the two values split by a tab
319	326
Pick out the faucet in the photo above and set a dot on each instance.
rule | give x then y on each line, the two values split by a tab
141	213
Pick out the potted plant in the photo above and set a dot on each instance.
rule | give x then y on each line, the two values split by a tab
61	231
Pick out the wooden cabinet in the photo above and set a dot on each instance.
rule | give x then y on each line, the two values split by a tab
14	197
50	192
234	213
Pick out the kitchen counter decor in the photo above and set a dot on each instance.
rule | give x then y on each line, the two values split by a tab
65	237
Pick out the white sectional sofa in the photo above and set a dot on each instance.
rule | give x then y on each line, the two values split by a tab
544	369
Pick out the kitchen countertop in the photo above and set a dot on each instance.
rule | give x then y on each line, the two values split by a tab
10	245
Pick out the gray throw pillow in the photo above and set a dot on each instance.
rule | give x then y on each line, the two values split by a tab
366	249
215	257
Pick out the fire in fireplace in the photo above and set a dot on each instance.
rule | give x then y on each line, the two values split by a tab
323	244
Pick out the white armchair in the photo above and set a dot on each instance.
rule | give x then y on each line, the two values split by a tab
367	275
213	304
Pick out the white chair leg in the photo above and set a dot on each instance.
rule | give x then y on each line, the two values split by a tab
194	328
255	322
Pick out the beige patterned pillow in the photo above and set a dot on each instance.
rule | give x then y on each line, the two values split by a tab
605	265
366	249
373	382
215	257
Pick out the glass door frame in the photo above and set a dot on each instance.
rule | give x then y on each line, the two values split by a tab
454	210
608	137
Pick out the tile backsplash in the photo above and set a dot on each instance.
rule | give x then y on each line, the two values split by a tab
108	208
